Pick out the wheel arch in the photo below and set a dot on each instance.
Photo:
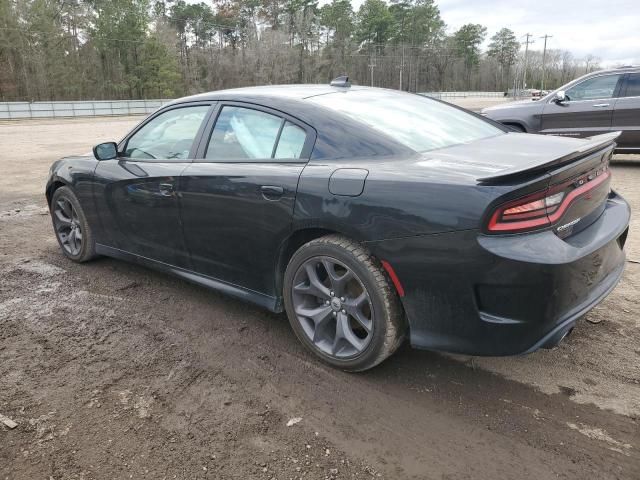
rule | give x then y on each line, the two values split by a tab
55	184
517	124
290	245
304	235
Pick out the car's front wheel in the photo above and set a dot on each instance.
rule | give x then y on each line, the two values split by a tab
341	304
71	226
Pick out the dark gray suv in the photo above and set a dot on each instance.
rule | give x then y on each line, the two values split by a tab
599	102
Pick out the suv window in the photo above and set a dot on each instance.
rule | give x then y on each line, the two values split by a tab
594	88
242	134
633	85
170	135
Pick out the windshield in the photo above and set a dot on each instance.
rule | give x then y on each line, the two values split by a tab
418	122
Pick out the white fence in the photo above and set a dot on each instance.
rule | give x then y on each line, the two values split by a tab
26	110
463	94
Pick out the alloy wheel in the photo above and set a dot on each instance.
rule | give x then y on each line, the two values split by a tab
67	226
333	307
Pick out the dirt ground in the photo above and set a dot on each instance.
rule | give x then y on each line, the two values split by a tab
114	371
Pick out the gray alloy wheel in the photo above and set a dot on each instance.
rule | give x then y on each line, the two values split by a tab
67	225
71	227
333	307
341	304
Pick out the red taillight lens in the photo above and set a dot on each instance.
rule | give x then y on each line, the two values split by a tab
543	208
525	213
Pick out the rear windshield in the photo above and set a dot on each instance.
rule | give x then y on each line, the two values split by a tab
418	122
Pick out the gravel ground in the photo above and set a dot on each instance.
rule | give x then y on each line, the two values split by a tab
114	371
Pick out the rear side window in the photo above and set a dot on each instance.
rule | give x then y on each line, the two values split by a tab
594	88
291	141
633	85
244	134
169	135
417	122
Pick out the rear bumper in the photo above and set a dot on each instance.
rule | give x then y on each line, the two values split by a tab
504	295
568	321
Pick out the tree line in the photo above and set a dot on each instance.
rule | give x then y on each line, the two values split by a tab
129	49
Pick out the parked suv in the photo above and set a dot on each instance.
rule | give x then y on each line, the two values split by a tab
599	102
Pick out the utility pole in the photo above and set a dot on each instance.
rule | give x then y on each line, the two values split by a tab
401	67
372	64
526	55
544	57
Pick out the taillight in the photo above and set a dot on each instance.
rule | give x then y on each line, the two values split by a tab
543	208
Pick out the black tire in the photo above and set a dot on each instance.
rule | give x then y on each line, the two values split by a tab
387	317
85	248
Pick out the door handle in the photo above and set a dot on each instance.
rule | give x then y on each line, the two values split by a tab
271	192
601	105
166	189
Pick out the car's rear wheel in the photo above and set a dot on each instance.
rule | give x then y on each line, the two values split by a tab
341	304
71	227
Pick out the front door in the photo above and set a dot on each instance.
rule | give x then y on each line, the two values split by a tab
587	110
136	194
626	114
238	198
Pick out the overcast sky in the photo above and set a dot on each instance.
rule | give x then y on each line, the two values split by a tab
609	29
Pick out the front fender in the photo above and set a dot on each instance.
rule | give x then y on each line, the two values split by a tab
77	173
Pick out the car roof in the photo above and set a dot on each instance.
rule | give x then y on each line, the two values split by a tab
298	92
624	69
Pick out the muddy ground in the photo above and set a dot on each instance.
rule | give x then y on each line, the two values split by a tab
114	371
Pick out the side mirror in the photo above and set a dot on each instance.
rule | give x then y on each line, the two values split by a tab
560	97
106	151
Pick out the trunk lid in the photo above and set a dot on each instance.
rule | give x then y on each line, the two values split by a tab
552	156
525	164
508	157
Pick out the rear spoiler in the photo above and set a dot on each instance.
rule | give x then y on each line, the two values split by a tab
590	145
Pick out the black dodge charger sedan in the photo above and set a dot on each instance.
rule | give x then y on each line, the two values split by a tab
369	215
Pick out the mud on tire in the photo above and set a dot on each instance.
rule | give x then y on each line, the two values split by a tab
386	316
67	214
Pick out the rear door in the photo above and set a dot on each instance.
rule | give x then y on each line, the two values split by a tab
136	193
626	114
588	109
238	196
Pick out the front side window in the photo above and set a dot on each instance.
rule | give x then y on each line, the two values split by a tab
170	135
415	121
244	134
594	88
633	85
